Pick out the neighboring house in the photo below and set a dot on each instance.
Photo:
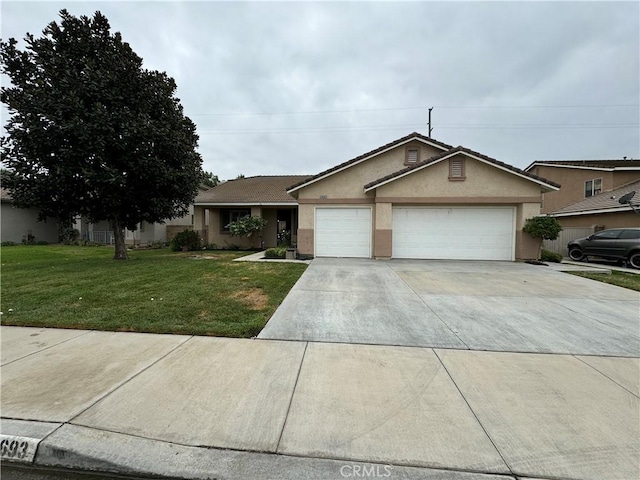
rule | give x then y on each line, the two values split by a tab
412	198
602	210
581	179
262	196
19	223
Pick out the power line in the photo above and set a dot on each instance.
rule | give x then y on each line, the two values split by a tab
303	112
416	127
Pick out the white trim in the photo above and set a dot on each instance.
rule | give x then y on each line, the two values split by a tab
246	204
365	159
341	207
593	212
446	157
582	167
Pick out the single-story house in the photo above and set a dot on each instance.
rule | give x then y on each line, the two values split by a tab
415	197
603	210
17	224
261	196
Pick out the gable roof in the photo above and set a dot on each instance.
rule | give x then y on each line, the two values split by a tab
259	190
469	153
365	156
606	165
602	203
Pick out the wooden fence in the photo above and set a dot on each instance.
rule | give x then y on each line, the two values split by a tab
559	245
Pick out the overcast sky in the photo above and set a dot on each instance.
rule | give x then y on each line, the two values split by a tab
295	88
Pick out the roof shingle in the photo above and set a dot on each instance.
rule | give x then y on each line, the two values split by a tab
260	189
603	201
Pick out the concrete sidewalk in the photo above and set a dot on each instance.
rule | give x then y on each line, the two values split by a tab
204	407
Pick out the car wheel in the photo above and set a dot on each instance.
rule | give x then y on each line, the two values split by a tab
576	254
634	260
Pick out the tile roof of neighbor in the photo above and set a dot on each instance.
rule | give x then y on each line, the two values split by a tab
603	201
613	163
260	189
459	149
368	154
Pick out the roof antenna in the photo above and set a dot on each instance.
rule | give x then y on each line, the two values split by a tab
430	128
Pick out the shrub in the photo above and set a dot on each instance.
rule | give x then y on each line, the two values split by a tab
549	256
277	252
8	244
186	238
246	226
68	235
547	228
42	242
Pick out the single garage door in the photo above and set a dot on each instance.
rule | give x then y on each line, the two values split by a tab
456	233
343	232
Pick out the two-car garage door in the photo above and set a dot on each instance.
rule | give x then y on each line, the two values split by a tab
464	233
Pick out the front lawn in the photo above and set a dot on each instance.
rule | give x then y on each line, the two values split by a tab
621	279
198	293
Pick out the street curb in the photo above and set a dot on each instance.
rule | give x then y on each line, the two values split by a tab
82	449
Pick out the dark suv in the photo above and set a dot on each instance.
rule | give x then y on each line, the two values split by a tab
614	244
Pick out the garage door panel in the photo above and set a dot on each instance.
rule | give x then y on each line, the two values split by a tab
463	233
343	232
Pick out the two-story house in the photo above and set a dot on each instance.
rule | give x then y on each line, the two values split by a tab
590	191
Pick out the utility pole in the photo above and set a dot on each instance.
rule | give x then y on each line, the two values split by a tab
430	128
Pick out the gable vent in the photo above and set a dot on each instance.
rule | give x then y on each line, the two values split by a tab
456	169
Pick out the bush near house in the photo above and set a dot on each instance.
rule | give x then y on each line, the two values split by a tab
277	252
186	239
549	256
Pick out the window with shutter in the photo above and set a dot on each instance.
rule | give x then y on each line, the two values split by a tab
456	169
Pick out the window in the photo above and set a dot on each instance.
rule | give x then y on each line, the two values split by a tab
412	155
228	215
456	169
592	187
632	234
606	234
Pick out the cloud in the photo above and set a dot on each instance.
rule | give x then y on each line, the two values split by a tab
297	87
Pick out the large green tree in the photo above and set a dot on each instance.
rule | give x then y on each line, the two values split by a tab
91	132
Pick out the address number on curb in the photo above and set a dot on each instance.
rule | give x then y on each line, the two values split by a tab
18	449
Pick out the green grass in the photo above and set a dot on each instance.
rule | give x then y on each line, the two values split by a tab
621	279
82	287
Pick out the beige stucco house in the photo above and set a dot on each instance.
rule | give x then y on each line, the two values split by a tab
419	198
261	196
415	197
583	179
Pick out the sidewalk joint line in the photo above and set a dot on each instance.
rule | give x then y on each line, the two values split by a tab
46	348
474	413
293	391
604	374
127	380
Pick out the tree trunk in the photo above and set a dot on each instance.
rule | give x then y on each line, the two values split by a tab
118	237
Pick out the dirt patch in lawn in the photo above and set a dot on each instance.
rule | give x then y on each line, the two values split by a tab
254	298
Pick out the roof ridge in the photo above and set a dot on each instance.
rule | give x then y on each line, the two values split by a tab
371	153
451	151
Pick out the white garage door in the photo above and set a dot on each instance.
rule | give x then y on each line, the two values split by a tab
343	232
463	233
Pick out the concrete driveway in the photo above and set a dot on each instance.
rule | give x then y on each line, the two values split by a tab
494	306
